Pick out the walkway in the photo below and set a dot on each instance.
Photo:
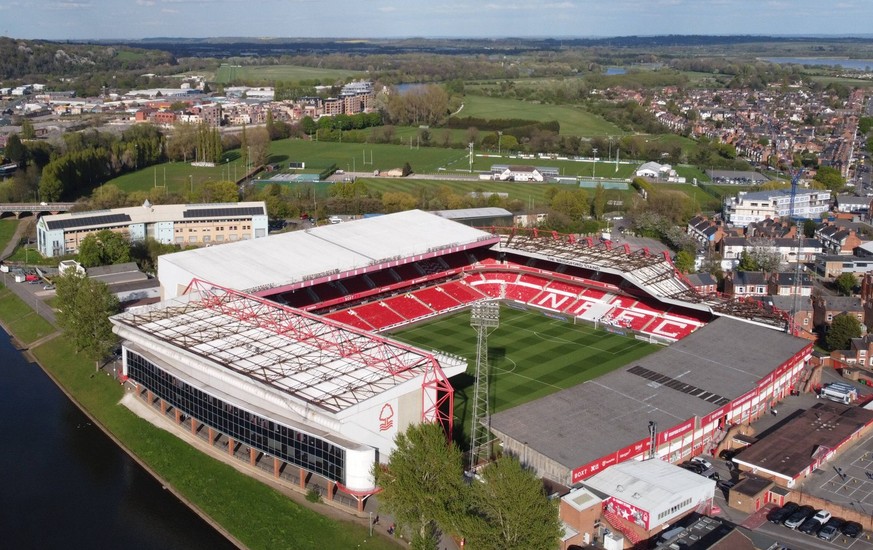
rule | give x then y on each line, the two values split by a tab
13	242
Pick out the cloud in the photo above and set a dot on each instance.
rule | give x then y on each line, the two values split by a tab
145	2
529	6
69	5
387	9
169	10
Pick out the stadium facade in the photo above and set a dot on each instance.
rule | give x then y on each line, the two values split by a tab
276	343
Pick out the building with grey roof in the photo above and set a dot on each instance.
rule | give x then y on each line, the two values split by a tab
182	224
688	390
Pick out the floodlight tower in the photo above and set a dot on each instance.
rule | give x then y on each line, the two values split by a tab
485	318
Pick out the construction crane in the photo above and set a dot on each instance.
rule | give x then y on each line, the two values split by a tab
798	272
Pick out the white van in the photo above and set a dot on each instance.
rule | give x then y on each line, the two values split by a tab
335	219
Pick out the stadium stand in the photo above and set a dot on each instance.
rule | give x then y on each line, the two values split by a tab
461	292
350	317
379	315
438	299
409	306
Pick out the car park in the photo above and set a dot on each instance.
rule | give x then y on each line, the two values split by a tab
798	517
851	529
778	515
830	529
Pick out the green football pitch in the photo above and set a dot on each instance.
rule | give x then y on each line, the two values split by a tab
530	354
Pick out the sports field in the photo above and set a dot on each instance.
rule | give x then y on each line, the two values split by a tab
574	121
531	355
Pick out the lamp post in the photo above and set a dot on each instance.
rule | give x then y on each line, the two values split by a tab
191	182
135	157
499	139
594	163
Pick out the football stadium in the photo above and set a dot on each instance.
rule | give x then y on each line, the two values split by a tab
310	350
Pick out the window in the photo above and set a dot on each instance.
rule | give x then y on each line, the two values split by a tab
312	453
206	238
192	239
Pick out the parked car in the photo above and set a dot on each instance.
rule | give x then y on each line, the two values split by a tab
810	526
700	460
851	529
778	515
798	516
830	529
822	516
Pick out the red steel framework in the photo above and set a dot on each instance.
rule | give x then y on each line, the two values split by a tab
398	360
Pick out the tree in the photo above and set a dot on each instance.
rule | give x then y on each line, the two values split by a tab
843	328
104	247
259	145
830	177
510	509
27	129
423	483
846	283
598	204
684	261
84	307
809	228
15	150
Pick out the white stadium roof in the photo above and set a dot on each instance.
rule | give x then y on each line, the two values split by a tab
288	258
319	362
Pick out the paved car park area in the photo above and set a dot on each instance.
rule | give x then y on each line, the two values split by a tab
853	488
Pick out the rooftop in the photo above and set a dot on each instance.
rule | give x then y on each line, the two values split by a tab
646	484
794	446
282	260
151	213
314	360
692	377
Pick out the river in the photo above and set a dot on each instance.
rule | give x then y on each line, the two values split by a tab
67	485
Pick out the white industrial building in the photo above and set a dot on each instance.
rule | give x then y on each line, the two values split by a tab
651	493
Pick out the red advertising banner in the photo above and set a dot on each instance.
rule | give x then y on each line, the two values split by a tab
676	431
739	402
714	415
632	451
592	468
627	512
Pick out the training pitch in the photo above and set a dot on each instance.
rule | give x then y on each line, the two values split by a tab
531	355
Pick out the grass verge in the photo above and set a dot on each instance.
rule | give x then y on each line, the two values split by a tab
22	321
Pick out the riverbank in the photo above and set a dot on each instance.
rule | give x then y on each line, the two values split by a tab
249	513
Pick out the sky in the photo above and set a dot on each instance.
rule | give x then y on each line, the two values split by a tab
132	19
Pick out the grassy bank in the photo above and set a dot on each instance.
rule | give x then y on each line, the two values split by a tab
21	319
255	514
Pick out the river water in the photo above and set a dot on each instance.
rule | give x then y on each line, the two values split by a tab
66	485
